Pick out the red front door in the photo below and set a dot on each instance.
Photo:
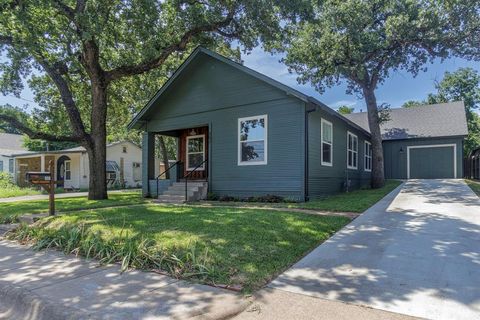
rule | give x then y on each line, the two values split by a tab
194	152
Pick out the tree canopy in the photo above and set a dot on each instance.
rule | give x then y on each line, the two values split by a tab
362	42
85	58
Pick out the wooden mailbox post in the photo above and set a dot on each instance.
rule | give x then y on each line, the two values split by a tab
47	182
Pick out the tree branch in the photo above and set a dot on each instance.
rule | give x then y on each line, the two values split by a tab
35	134
145	66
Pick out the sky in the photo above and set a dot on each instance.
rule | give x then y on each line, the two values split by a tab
398	88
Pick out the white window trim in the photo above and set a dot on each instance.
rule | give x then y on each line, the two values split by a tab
65	170
265	140
434	146
366	156
202	168
354	151
328	164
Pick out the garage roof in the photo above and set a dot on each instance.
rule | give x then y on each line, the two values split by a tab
426	121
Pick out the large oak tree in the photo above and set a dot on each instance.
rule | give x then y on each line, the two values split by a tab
362	42
86	48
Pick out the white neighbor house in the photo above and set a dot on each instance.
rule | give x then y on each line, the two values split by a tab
9	145
124	163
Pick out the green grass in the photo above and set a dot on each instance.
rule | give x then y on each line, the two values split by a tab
213	245
474	185
9	211
354	201
14	191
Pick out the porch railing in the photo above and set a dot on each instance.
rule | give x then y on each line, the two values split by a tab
164	172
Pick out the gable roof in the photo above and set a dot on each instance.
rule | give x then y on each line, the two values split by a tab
139	119
11	143
428	121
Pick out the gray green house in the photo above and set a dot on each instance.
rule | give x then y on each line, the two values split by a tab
243	134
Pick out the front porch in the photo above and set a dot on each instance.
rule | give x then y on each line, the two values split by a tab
186	179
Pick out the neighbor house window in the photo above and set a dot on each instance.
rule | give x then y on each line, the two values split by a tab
368	156
196	152
327	142
124	149
252	144
352	151
10	165
137	171
68	170
1	165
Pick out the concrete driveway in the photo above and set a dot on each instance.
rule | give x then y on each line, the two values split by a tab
416	252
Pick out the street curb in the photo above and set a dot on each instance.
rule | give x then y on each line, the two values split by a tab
226	313
25	304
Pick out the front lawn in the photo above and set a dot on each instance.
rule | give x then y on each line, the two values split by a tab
474	185
15	191
354	201
234	246
9	211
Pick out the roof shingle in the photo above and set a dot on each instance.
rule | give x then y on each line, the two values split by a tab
428	121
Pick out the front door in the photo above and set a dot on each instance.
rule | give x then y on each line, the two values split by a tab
193	152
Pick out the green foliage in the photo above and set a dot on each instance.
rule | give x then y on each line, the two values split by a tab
16	112
211	245
8	189
412	104
474	185
345	109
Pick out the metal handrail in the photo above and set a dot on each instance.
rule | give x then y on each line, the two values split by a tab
188	175
164	172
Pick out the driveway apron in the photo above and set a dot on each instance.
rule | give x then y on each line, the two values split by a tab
416	252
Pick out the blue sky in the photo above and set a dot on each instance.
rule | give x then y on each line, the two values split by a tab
397	89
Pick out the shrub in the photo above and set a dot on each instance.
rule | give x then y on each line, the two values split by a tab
6	180
130	251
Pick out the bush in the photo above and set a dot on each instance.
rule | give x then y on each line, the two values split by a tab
6	180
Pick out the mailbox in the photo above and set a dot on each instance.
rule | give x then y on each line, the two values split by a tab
37	176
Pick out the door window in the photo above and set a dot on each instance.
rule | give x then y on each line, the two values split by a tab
196	152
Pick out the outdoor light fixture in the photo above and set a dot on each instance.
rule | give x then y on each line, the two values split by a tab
193	132
401	149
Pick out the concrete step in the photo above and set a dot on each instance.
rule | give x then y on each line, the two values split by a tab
189	184
182	188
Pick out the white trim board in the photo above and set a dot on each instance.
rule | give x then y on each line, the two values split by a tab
434	146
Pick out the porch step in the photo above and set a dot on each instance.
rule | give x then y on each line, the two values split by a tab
176	192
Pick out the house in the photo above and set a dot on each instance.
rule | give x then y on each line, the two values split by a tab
9	145
72	168
423	142
243	134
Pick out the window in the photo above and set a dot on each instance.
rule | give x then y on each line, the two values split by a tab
124	149
10	165
368	156
252	141
68	170
1	165
327	143
352	151
195	152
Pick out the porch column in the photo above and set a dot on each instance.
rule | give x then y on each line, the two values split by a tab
42	163
148	161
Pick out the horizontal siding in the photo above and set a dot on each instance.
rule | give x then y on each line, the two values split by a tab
208	84
396	161
324	180
284	173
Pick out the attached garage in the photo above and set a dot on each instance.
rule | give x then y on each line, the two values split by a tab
432	161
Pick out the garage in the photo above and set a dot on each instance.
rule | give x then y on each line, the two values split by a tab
431	162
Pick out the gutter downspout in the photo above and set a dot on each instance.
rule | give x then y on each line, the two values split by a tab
307	112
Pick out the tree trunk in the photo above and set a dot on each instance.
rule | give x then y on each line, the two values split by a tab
97	151
378	175
164	153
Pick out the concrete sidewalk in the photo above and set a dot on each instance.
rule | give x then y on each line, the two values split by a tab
57	196
50	285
